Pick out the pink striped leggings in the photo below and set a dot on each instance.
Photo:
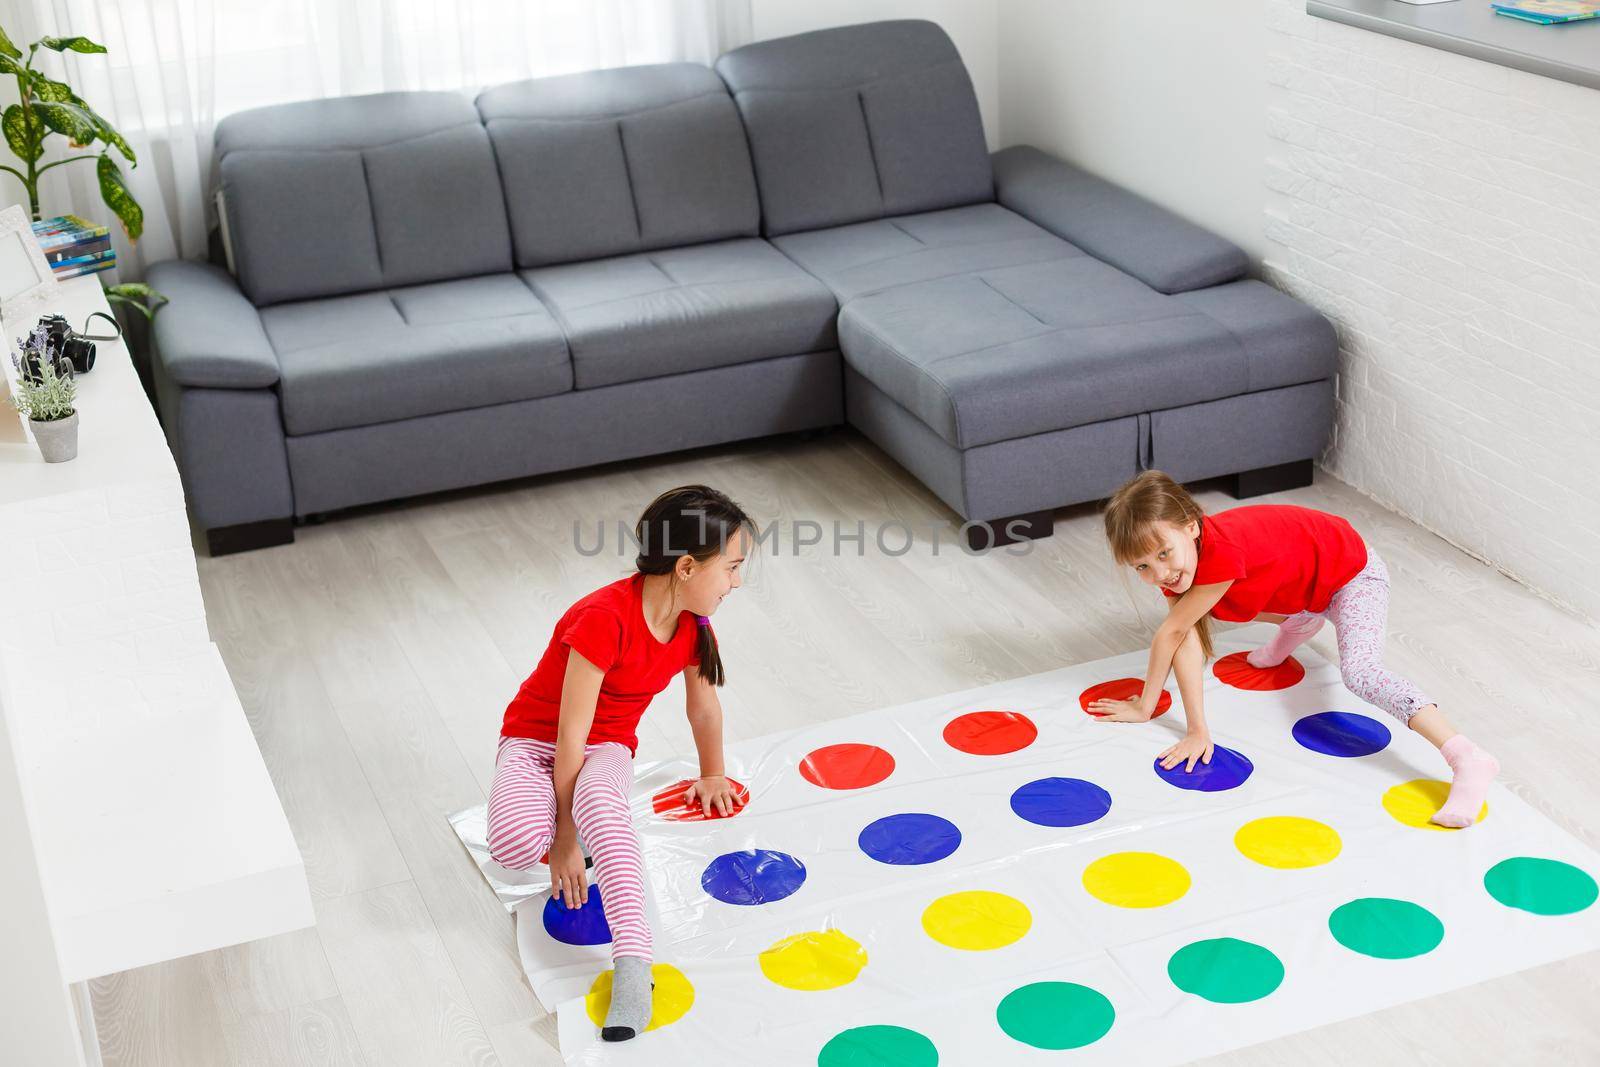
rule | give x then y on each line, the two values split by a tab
522	820
1359	612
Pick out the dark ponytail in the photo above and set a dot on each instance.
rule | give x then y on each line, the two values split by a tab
695	521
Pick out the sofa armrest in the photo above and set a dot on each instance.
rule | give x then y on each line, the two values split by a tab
1167	253
210	335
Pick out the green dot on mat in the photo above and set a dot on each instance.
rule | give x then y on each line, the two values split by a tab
878	1046
1225	970
1544	887
1384	928
1055	1015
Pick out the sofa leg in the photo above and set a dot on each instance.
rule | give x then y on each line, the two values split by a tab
1262	480
249	536
997	532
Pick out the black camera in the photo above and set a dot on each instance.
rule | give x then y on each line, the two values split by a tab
66	344
55	342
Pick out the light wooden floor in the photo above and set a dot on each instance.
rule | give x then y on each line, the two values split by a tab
376	654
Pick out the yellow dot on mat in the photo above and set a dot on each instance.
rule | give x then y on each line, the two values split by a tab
977	920
1415	803
671	1000
1287	841
1136	879
816	959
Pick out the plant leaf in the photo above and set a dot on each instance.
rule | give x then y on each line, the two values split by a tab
107	132
46	88
73	44
7	47
137	295
11	66
115	193
68	119
15	124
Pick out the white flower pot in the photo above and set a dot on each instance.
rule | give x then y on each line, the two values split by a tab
58	438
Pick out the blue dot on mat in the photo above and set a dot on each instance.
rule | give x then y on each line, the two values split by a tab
1227	770
578	926
910	838
1342	733
1061	802
755	876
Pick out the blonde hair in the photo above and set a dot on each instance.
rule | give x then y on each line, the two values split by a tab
1131	517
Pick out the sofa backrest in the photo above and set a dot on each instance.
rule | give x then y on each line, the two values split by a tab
859	122
615	161
360	192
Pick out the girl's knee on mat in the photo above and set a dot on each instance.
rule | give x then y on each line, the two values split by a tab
517	851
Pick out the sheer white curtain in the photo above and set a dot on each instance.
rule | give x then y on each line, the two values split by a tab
176	66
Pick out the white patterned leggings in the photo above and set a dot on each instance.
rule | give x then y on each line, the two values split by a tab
1359	612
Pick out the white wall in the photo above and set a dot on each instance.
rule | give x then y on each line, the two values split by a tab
1164	98
971	24
1443	212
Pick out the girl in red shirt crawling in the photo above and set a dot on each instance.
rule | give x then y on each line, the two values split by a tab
565	763
1286	564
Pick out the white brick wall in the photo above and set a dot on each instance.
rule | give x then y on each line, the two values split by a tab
1445	214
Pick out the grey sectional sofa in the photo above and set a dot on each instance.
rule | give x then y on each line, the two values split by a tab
431	293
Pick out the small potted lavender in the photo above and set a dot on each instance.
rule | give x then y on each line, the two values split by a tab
45	392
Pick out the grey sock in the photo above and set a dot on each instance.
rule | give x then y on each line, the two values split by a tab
630	999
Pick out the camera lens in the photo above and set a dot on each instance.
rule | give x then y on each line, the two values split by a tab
80	352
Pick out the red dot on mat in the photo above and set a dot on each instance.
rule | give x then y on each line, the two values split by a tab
1236	671
1121	689
848	766
670	803
990	733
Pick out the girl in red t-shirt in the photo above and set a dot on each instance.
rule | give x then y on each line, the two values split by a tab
565	763
1285	564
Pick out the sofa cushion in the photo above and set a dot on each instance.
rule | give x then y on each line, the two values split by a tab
866	257
614	161
1115	225
360	192
683	309
1285	342
375	357
859	122
1000	354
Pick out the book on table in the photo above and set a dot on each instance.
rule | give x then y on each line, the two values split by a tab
73	245
1549	12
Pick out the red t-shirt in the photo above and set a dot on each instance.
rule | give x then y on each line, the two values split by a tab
1281	558
607	628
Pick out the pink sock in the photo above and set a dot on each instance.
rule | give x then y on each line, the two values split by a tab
1474	770
1293	632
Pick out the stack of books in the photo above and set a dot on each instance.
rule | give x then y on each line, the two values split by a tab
1549	12
74	246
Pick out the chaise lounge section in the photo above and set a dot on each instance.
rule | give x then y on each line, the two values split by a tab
1016	332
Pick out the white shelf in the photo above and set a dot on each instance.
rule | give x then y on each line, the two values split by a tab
157	831
119	440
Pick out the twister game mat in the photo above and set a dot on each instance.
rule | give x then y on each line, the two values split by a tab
995	877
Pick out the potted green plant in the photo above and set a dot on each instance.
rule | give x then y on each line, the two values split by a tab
46	393
46	107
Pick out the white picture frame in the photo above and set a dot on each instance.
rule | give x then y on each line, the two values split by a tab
26	280
26	284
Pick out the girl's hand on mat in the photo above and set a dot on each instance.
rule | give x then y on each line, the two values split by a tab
1118	711
1194	748
714	791
568	882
